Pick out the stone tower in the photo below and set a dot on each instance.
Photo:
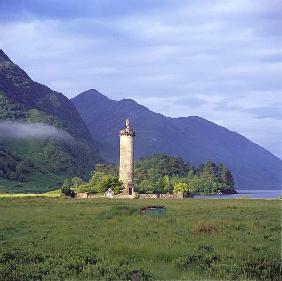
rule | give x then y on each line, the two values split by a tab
126	164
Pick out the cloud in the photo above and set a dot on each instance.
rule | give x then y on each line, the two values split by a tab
217	59
274	112
70	9
20	130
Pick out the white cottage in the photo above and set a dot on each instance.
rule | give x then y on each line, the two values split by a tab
109	193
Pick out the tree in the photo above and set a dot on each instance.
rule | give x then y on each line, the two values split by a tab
107	169
114	184
66	190
166	184
209	171
67	183
76	182
190	173
160	173
101	182
158	165
214	186
180	187
146	186
226	177
96	181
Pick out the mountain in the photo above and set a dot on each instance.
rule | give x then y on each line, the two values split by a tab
192	138
40	162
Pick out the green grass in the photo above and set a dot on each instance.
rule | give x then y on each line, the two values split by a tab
51	194
36	183
70	239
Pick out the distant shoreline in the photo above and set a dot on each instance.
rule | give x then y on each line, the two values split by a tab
273	194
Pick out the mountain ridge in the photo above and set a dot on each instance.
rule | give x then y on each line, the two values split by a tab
193	138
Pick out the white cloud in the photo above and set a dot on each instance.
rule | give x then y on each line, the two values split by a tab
221	58
21	130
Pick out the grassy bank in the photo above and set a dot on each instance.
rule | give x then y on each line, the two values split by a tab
50	194
61	238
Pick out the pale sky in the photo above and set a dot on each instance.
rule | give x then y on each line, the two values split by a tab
221	60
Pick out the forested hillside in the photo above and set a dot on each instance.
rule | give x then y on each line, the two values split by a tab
42	137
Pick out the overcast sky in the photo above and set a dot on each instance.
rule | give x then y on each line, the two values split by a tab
221	60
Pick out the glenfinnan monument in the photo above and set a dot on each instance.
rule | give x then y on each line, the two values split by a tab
126	165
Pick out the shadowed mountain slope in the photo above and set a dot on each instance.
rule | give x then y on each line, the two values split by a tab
193	138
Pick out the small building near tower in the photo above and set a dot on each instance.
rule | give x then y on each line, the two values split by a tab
109	193
126	165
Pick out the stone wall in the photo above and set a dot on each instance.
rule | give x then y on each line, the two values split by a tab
89	195
172	196
96	195
81	195
148	196
127	196
103	195
161	196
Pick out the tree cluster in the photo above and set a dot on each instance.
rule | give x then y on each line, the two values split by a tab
104	176
160	173
13	167
9	110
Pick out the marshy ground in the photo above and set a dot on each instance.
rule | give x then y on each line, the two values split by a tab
70	239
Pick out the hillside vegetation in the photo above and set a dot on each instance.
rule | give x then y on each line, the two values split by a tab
40	163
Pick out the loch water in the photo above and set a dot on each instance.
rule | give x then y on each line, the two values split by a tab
247	193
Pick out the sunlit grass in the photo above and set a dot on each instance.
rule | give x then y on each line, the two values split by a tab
53	194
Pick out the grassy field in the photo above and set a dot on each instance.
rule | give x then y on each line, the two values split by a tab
36	183
53	193
70	239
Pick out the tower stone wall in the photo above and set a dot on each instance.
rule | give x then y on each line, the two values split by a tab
126	165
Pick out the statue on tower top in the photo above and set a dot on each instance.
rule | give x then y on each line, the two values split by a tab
127	124
128	130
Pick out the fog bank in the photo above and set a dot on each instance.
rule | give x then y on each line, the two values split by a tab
21	130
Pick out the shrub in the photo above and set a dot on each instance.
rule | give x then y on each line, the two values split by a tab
66	189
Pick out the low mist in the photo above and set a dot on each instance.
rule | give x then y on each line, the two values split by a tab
21	130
